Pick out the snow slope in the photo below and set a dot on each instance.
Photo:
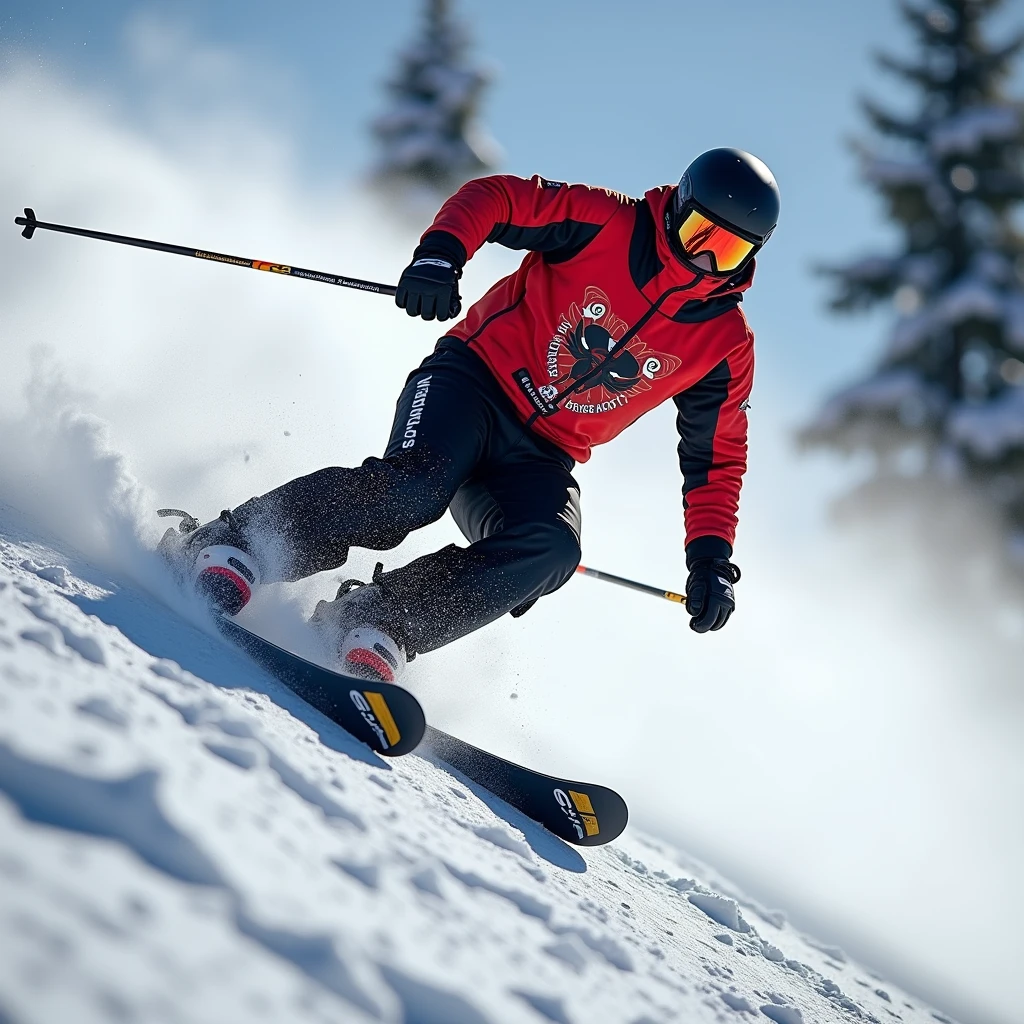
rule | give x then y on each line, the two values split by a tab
183	839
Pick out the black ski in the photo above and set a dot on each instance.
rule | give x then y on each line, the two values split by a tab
390	720
386	717
578	812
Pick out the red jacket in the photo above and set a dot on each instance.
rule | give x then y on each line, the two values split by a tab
600	267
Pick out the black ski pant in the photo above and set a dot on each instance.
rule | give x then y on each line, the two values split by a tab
456	444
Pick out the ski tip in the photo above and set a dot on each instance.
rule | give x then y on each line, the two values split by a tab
598	815
380	706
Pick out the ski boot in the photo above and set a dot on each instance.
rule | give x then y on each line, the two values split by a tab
215	558
353	628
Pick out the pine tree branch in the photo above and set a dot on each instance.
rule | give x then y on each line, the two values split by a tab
862	284
919	74
913	15
889	124
996	63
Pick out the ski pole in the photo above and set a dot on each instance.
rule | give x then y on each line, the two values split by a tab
31	224
644	588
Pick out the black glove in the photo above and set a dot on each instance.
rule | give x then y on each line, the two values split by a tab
709	597
429	286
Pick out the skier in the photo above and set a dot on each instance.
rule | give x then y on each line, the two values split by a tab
619	305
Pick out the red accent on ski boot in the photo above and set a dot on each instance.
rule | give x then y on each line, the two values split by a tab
368	664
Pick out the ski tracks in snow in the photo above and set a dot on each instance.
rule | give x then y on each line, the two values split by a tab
182	845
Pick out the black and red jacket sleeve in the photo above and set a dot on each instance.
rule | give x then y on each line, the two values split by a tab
712	425
551	217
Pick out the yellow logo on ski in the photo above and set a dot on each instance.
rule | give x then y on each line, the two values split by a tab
582	802
586	809
383	715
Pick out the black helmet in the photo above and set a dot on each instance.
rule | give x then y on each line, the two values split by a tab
725	208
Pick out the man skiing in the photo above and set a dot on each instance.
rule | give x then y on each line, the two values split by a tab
619	305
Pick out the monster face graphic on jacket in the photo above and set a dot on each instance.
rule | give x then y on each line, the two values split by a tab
584	341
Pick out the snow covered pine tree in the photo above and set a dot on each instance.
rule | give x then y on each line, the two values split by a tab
430	137
943	411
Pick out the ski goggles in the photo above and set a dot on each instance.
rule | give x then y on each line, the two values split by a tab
699	235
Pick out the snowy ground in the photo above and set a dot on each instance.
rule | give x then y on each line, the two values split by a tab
182	839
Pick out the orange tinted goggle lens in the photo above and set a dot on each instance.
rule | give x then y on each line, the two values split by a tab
698	234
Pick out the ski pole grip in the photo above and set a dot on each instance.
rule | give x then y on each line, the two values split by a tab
29	220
